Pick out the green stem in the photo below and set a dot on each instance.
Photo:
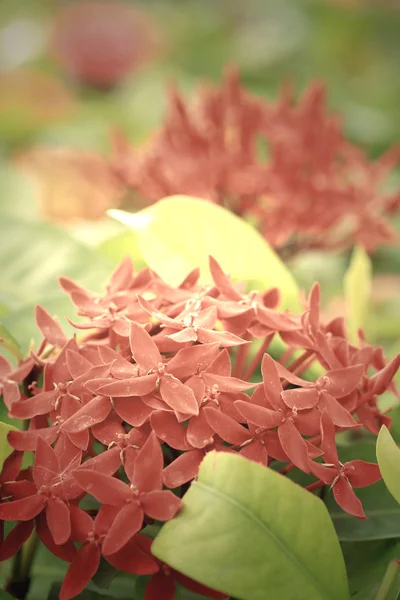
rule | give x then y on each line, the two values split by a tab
390	586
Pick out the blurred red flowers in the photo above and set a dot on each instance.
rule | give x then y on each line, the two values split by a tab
284	165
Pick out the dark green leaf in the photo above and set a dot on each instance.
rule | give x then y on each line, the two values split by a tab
366	564
105	574
248	531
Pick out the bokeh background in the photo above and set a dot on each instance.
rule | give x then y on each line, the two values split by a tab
62	91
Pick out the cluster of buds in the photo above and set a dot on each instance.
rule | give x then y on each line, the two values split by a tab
120	417
285	165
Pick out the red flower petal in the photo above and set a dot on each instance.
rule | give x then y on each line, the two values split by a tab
199	433
11	393
361	473
167	429
133	559
46	466
294	445
144	350
92	413
198	588
160	587
145	473
41	404
81	571
256	452
134	386
189	361
107	462
341	382
23	509
225	427
346	498
81	524
50	329
126	524
224	338
260	416
65	551
300	398
182	469
231	385
381	380
77	364
328	443
11	467
178	396
161	505
132	410
271	382
58	520
27	440
13	542
339	415
322	472
105	489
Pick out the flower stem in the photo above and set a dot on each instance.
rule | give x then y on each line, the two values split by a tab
257	358
390	586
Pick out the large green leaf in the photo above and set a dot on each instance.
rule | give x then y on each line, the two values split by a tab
32	257
357	291
388	454
366	564
382	511
254	534
5	448
177	234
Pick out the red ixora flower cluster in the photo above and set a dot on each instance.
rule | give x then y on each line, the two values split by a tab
132	407
285	165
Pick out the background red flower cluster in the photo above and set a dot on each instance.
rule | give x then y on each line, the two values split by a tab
285	165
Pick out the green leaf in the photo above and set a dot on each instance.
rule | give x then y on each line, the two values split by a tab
5	595
357	291
10	343
382	511
5	448
366	564
31	261
388	454
252	533
390	588
121	245
177	234
105	574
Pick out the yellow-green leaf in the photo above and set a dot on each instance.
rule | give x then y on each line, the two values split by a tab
357	291
179	233
250	532
388	455
5	448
